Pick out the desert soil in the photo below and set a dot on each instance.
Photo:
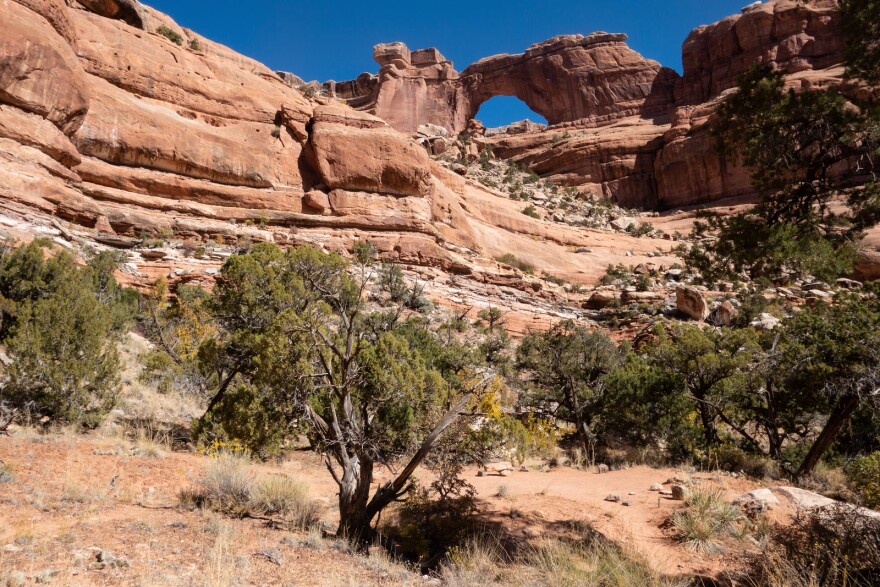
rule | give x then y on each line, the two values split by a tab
73	496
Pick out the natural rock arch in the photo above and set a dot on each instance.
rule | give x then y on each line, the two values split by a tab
572	78
591	79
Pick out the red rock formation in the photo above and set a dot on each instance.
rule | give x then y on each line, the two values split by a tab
593	80
115	128
792	35
621	125
110	125
412	88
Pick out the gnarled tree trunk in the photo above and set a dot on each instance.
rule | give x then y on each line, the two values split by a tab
840	415
354	494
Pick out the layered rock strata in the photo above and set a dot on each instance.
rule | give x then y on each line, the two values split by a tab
123	131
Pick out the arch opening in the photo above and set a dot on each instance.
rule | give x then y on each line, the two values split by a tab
505	110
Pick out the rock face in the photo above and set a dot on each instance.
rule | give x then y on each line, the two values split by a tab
105	123
621	126
116	129
122	133
794	36
591	79
411	88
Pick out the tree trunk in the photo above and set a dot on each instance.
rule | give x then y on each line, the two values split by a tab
839	416
354	493
710	433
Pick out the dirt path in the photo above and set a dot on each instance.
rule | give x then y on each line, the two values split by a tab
563	495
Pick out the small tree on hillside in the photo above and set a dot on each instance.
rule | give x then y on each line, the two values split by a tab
838	351
62	325
565	371
710	366
296	333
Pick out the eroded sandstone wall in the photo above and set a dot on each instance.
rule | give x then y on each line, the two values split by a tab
622	126
108	124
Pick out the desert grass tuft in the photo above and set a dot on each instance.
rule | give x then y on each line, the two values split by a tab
706	520
474	563
600	563
279	495
229	486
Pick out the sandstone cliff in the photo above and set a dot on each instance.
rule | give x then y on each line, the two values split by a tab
123	132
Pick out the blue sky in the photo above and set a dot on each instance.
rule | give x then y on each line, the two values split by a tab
333	39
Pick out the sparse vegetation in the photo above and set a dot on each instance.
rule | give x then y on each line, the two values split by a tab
230	486
531	211
171	34
516	262
864	475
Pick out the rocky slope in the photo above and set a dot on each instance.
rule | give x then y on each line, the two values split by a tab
130	129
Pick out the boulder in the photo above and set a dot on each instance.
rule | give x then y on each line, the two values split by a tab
690	302
679	492
765	322
600	299
502	468
763	496
848	283
724	314
643	296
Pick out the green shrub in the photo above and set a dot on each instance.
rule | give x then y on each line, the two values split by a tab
616	272
195	45
514	261
61	326
531	211
642	229
170	34
244	416
429	523
864	475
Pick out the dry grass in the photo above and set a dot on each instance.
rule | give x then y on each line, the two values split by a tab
483	561
226	486
475	563
230	486
221	569
279	495
600	564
